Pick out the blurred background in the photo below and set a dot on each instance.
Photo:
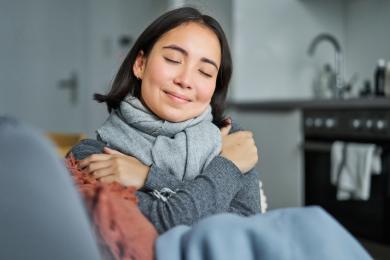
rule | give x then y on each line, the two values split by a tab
306	74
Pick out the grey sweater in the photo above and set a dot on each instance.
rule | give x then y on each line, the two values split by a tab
221	187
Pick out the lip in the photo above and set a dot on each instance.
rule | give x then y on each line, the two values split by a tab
177	97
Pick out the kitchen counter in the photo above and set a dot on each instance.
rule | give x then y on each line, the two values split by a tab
302	104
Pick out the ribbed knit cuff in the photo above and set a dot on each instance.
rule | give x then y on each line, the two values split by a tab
153	181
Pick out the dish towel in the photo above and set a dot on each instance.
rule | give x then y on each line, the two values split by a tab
352	165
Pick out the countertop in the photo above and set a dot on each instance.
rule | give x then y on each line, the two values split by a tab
303	104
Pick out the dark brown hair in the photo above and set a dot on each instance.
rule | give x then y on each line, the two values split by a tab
126	82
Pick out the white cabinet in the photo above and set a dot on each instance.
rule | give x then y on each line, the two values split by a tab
278	137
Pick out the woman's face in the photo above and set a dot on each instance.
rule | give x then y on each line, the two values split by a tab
179	75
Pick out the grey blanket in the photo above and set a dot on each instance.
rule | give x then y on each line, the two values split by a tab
293	233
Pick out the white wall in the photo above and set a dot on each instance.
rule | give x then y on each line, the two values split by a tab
368	37
221	10
271	38
14	50
36	52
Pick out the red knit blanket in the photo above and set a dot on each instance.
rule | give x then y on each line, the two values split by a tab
122	230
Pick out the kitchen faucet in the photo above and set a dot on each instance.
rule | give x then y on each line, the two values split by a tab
338	90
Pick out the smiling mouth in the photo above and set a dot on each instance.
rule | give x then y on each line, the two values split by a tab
177	97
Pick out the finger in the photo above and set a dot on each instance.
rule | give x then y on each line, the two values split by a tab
102	172
111	151
225	130
93	158
95	166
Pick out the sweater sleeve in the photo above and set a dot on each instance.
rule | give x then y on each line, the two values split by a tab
245	200
209	193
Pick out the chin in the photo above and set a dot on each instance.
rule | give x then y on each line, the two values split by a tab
171	117
176	119
176	115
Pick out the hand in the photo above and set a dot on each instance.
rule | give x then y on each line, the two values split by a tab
115	166
240	148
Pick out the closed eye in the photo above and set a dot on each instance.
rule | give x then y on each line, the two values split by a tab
172	61
205	74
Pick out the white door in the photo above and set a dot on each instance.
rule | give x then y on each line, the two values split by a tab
43	62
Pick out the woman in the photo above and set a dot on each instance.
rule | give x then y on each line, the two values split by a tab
167	100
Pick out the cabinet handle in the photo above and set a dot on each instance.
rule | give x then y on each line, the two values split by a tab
72	84
317	146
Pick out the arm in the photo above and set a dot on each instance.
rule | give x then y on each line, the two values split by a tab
158	178
209	193
247	200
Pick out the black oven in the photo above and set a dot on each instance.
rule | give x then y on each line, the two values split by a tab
368	219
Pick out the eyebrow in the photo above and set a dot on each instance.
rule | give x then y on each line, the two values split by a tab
183	51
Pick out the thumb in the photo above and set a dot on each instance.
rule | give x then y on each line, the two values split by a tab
111	151
225	130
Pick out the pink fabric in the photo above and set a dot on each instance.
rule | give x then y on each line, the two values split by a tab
123	231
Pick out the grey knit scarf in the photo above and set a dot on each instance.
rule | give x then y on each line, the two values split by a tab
184	148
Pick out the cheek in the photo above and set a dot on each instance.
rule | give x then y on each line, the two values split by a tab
205	92
158	73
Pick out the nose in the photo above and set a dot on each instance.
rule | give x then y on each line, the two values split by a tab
183	78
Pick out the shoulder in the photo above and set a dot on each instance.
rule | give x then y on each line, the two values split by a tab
86	148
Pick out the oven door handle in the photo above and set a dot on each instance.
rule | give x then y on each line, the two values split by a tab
317	146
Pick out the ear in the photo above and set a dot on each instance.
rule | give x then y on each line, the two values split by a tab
139	65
